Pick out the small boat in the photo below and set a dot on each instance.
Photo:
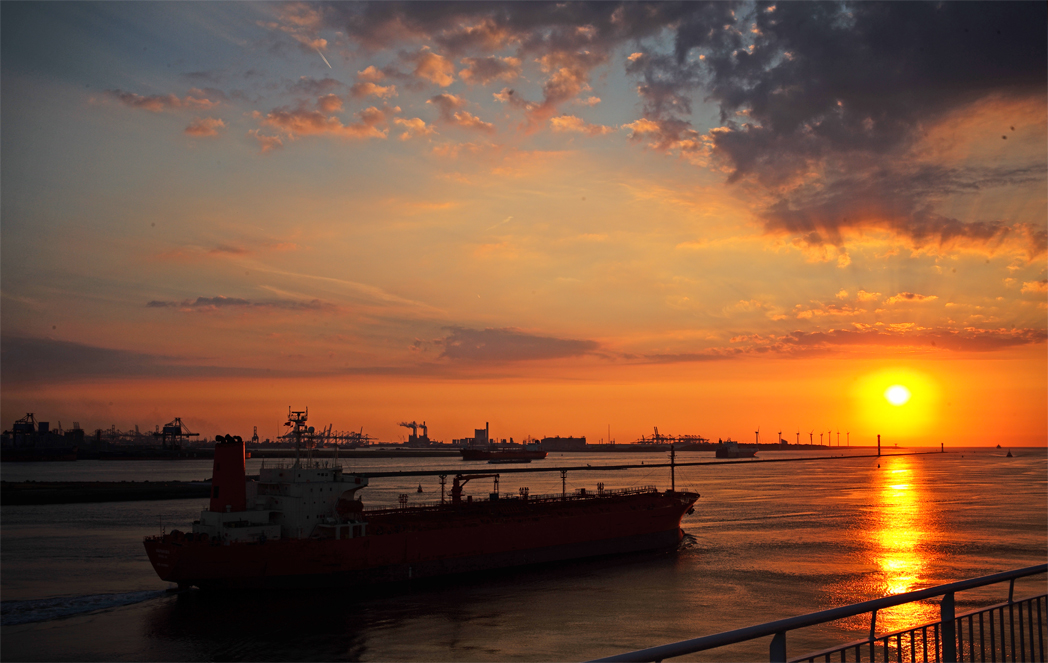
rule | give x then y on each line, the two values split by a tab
1009	454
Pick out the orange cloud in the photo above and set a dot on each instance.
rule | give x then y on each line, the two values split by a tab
158	103
413	128
448	105
434	68
1035	287
205	126
330	103
910	297
266	143
371	74
570	123
305	122
369	89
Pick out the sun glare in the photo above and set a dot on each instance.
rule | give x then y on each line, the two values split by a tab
900	403
897	394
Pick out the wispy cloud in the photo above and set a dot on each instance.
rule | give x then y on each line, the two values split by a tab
508	344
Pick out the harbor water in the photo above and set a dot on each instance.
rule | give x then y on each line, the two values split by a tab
766	541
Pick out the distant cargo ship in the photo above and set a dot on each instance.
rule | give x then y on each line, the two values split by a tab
302	525
731	449
502	454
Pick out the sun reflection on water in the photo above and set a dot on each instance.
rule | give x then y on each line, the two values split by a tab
899	534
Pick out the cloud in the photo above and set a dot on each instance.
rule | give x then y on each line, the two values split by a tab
570	123
488	69
304	121
371	74
329	103
158	103
205	126
968	340
266	143
414	127
432	67
210	304
898	199
448	105
31	360
910	297
1035	287
915	63
315	87
369	89
496	345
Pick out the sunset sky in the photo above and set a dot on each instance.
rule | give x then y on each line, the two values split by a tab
553	217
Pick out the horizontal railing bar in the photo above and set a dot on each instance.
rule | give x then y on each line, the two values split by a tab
683	647
1003	604
912	629
502	469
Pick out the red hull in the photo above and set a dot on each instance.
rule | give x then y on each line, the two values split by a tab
410	543
502	454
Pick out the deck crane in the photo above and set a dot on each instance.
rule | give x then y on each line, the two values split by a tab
460	481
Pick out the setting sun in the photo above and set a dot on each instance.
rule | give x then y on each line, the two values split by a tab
897	394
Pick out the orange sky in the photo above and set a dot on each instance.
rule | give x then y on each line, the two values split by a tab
550	217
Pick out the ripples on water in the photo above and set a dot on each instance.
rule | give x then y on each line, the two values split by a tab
767	541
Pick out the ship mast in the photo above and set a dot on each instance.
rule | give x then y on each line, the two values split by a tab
297	420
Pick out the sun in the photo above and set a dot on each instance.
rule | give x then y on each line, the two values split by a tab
897	394
900	402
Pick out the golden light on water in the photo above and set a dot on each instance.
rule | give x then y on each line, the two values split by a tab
897	395
898	541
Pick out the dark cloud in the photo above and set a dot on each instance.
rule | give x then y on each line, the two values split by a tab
43	359
842	77
822	100
220	302
491	68
510	345
969	340
898	200
690	357
315	87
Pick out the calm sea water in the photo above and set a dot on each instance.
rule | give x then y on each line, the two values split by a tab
767	541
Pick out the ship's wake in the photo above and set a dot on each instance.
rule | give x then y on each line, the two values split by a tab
42	610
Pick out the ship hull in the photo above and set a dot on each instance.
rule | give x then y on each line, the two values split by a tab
406	547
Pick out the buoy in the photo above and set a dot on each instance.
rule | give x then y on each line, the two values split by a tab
419	488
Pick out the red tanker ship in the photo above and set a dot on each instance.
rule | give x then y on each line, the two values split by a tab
302	525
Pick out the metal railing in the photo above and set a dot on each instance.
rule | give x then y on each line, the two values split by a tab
1019	637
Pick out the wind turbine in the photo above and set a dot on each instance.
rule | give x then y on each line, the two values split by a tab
811	437
820	437
798	437
848	438
779	441
838	437
758	434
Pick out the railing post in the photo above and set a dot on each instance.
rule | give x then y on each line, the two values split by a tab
948	615
777	651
